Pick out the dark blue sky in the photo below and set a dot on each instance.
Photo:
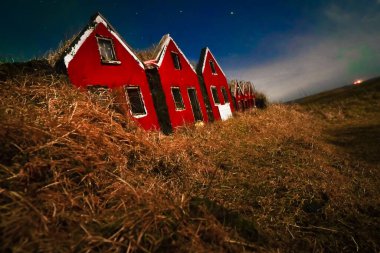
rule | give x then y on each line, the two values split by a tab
287	48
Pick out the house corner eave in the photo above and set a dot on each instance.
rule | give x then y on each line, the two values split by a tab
208	51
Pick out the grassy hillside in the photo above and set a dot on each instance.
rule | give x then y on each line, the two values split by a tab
347	102
352	117
76	175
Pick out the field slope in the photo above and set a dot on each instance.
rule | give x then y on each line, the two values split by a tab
352	117
77	176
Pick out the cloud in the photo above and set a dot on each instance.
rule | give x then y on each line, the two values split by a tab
337	14
346	49
293	75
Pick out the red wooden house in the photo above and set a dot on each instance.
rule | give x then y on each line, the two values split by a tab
243	94
100	57
237	94
175	85
249	92
215	84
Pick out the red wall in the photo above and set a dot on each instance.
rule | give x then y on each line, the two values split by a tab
86	69
218	80
184	78
246	100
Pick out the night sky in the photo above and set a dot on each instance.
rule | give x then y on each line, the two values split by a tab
288	49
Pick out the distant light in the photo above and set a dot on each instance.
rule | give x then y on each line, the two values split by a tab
232	13
357	82
180	11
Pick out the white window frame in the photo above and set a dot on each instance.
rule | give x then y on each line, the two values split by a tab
177	57
212	66
212	94
102	91
115	61
199	104
135	115
225	100
175	104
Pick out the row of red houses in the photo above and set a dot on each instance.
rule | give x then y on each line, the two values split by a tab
243	94
161	93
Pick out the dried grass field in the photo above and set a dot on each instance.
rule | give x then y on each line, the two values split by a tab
77	176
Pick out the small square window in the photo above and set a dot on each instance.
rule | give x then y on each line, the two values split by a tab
100	93
212	65
215	95
135	101
107	50
176	92
176	61
225	95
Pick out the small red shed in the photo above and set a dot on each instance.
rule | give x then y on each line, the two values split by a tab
243	94
249	92
171	74
214	82
99	56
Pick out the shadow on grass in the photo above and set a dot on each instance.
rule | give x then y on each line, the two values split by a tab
362	142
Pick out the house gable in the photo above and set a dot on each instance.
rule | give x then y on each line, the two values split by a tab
170	69
215	84
100	57
85	34
162	52
204	62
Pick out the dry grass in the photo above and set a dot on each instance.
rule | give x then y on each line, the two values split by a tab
147	54
351	117
261	100
52	56
75	175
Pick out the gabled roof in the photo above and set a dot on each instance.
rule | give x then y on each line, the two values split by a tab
249	87
236	85
160	51
96	19
202	61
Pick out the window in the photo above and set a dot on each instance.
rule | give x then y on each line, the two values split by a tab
135	101
179	105
100	94
212	65
215	95
107	51
99	90
176	62
225	95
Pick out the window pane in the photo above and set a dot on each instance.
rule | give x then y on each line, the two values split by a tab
179	105
212	67
100	94
106	49
225	96
135	101
215	95
176	61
